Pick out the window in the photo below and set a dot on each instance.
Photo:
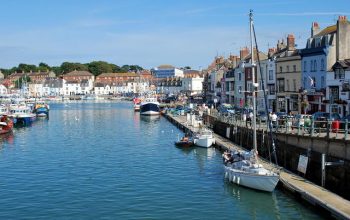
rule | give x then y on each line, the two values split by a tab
281	69
280	84
311	65
294	68
287	69
239	76
270	74
288	89
333	94
294	85
322	82
271	89
339	74
315	65
322	64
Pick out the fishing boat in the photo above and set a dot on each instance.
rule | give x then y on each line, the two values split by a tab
204	138
149	106
41	109
244	168
21	114
6	125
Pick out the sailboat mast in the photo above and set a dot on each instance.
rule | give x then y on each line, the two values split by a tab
254	84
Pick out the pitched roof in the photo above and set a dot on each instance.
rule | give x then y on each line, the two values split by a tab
166	66
327	30
345	64
128	74
79	73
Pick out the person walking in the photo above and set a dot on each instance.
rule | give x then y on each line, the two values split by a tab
274	119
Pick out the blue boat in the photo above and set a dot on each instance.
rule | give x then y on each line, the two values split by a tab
21	114
41	109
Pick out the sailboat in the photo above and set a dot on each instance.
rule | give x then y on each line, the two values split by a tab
244	168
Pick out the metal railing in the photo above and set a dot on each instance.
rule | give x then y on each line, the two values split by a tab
315	128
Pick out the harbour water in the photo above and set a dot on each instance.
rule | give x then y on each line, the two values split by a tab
102	160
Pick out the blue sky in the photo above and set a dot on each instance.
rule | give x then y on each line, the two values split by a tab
150	32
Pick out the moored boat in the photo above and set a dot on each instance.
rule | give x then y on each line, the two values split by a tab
244	168
6	125
41	109
137	104
149	106
184	142
3	110
204	138
21	114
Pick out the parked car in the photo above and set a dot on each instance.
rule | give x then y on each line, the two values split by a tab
320	118
226	108
261	116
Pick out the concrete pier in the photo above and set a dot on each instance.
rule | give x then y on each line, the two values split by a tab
320	197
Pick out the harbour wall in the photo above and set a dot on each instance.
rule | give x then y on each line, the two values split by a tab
288	149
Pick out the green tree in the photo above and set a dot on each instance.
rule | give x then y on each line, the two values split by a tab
67	67
43	67
98	67
57	70
22	67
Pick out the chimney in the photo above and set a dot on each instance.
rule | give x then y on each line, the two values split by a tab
315	29
290	42
343	38
243	52
271	52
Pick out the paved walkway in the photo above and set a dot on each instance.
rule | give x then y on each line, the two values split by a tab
338	206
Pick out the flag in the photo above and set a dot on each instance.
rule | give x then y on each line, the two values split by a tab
312	82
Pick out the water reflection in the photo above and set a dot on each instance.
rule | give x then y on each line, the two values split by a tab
203	155
6	138
148	118
258	204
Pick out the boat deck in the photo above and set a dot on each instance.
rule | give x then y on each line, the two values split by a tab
312	193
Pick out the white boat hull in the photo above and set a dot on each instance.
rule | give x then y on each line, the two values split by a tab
150	113
255	181
204	142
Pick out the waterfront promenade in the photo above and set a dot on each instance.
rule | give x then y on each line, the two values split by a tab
312	193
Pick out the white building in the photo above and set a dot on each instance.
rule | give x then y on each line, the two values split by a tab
36	89
192	85
338	88
239	85
167	71
3	89
268	69
53	87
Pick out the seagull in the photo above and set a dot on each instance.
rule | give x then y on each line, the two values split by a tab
76	118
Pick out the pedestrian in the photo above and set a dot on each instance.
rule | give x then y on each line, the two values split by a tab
251	118
274	119
244	118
